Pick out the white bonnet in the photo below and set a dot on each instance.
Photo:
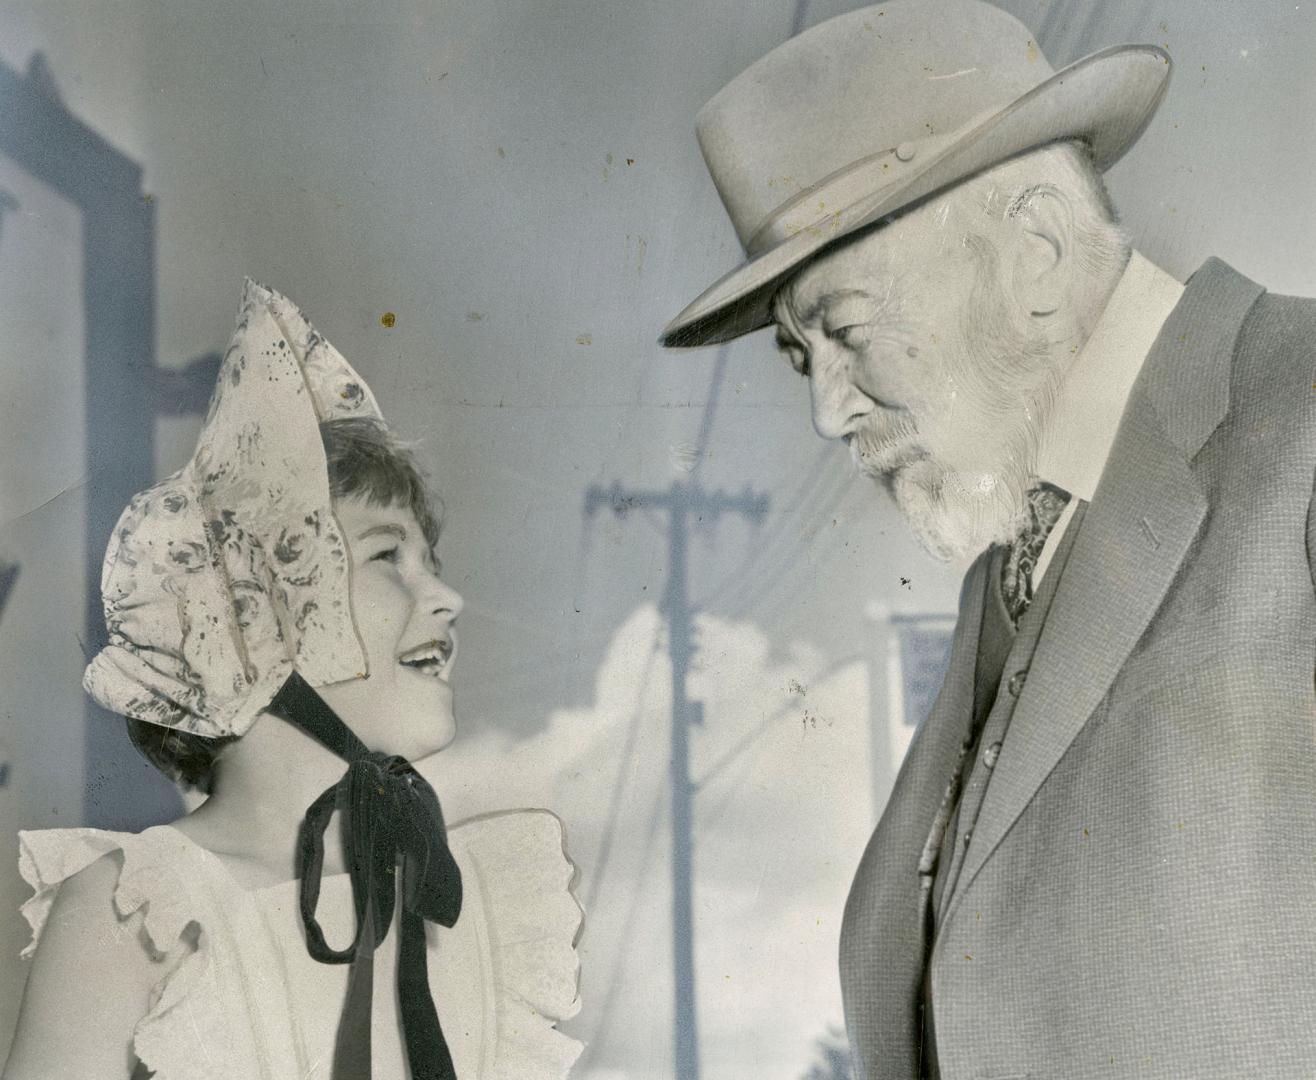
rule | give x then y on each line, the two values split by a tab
223	577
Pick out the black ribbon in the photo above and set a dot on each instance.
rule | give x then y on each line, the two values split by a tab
391	818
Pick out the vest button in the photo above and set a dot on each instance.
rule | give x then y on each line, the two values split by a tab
1016	684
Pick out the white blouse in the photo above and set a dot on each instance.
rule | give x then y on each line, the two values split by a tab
240	995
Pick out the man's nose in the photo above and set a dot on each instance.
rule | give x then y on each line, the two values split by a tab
838	405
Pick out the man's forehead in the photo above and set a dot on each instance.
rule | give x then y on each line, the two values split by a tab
873	261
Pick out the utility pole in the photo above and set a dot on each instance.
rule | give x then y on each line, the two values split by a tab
686	502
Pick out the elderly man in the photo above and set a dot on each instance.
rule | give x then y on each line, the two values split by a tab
1097	860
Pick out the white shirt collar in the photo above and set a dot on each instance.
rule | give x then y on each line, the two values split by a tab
1087	411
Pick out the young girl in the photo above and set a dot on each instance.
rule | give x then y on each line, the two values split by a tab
281	637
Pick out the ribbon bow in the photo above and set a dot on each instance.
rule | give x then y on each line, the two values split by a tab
391	818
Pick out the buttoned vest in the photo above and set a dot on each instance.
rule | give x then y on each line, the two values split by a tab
1000	671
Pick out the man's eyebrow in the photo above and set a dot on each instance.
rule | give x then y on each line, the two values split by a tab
389	527
828	299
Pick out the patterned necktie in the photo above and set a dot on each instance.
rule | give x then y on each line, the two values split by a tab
1045	505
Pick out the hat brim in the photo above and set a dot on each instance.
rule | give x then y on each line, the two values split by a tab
1107	99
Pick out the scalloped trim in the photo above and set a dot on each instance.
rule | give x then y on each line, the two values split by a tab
46	858
534	922
148	884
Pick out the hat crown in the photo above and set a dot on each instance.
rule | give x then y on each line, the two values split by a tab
856	86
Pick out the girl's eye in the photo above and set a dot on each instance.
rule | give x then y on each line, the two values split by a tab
387	555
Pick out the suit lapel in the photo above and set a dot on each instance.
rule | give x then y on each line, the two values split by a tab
1144	516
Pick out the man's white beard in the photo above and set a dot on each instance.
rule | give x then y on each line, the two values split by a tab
1008	372
954	514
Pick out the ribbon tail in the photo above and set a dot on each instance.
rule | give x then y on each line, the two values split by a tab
352	1050
427	1049
431	879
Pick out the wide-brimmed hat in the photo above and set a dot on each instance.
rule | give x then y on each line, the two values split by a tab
867	113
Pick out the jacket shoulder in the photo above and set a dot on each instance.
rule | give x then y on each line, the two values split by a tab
1275	355
1273	391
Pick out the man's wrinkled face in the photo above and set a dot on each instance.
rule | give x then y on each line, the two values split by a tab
917	358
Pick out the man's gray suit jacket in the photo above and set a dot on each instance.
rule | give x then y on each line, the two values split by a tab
1139	895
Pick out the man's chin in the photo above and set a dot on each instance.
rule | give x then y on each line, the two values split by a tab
953	519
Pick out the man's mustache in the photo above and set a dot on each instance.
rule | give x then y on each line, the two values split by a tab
872	445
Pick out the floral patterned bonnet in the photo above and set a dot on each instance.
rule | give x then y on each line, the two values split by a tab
223	577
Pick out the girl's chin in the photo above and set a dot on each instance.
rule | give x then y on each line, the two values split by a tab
449	732
411	717
421	738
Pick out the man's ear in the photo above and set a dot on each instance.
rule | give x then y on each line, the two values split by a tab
1043	243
